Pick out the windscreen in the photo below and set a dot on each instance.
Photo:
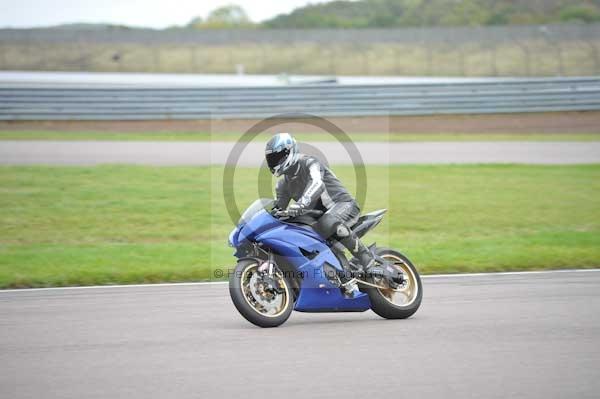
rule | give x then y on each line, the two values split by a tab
254	208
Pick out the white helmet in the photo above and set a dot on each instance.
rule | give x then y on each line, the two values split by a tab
281	153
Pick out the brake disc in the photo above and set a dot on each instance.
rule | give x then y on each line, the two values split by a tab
261	298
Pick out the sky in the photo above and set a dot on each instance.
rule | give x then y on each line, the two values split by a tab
146	13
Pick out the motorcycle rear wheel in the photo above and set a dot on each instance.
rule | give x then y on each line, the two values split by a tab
402	303
243	289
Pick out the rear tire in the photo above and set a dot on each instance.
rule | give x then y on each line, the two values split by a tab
242	301
381	304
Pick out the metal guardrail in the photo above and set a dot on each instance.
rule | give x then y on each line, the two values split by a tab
139	103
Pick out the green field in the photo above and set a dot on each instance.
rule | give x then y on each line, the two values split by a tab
127	224
205	136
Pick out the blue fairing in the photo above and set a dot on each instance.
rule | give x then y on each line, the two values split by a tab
316	292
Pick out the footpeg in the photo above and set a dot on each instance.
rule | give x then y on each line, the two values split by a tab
351	288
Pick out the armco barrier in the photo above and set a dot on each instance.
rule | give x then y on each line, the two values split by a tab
146	103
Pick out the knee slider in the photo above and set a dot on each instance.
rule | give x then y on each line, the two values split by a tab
342	230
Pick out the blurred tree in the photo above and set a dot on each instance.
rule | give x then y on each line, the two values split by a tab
399	13
580	13
230	16
196	22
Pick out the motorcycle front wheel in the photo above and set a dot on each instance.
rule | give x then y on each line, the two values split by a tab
402	302
264	308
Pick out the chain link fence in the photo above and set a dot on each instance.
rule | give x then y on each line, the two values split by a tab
553	50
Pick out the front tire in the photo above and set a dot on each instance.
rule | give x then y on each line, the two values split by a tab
258	311
384	302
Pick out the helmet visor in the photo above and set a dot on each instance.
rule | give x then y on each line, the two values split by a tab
275	159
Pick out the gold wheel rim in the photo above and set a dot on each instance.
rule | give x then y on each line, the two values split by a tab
408	293
245	281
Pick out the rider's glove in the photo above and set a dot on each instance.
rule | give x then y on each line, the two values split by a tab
295	210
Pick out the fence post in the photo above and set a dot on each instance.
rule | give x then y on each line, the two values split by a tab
264	59
397	57
589	40
556	46
494	60
525	50
192	67
156	57
331	59
231	66
595	56
429	63
366	68
561	63
461	60
2	57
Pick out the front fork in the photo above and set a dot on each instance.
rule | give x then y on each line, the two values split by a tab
268	265
269	277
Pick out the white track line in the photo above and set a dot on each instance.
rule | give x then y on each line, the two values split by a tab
461	275
510	273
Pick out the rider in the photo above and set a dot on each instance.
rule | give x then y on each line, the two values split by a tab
312	185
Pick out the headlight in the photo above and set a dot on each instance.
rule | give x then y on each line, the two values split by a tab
231	237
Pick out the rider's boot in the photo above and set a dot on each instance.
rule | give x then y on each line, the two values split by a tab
370	264
358	250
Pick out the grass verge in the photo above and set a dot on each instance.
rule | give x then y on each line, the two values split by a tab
132	224
205	136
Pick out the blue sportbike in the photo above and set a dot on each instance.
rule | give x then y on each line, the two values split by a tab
285	265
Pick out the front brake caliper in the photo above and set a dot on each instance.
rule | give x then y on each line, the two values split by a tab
271	284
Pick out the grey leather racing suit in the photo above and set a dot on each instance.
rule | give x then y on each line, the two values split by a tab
314	186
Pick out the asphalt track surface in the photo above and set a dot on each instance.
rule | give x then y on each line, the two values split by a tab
532	335
217	153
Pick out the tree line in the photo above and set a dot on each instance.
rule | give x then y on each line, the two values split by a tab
411	13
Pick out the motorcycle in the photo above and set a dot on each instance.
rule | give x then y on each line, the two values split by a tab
283	264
